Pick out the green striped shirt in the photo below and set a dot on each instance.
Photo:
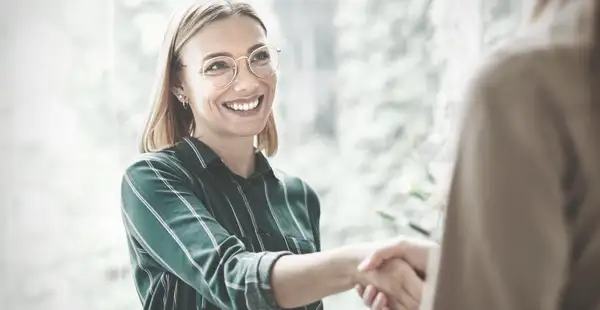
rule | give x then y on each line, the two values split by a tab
202	237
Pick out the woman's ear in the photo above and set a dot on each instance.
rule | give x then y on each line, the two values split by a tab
177	88
178	91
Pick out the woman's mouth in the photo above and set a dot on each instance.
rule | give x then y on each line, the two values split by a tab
242	106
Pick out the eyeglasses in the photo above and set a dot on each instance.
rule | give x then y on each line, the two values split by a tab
221	71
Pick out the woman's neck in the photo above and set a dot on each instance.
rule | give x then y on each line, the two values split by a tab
237	153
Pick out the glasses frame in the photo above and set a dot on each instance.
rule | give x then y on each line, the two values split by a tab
236	67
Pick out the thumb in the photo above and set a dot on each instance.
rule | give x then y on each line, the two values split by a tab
371	262
375	259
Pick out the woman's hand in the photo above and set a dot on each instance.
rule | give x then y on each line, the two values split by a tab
413	251
407	258
396	286
371	297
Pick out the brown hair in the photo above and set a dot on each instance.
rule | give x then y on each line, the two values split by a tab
169	121
594	56
593	59
539	6
595	73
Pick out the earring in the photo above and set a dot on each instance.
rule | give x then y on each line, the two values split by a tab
183	101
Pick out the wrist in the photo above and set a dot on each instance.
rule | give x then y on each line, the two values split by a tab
350	258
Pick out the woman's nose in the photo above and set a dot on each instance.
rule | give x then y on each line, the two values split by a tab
245	80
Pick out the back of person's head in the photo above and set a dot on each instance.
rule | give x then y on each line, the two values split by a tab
170	120
594	56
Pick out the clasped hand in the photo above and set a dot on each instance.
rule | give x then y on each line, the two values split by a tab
393	276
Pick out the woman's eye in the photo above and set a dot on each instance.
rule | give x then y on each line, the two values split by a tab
262	56
215	66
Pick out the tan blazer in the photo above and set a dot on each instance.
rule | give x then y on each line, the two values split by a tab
523	221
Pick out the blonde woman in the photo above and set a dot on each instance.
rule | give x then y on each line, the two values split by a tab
210	224
523	222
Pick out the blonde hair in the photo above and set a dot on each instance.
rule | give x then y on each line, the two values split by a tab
169	121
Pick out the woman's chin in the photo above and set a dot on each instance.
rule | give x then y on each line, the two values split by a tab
247	130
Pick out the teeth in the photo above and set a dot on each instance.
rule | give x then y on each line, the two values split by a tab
246	106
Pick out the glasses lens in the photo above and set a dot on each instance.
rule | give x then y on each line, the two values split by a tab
264	61
219	71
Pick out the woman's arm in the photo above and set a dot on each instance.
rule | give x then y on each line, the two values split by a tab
298	280
294	276
176	229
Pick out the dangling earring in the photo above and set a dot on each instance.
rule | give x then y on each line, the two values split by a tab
183	101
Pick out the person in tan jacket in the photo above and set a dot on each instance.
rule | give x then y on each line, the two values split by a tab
522	229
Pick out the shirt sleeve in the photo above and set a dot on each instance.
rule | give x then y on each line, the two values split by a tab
505	244
176	229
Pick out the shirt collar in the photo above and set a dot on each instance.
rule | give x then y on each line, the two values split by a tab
263	167
199	156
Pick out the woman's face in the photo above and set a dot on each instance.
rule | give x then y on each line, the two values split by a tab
225	100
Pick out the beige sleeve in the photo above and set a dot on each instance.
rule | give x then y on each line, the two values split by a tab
505	242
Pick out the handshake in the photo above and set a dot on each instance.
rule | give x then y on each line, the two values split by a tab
392	276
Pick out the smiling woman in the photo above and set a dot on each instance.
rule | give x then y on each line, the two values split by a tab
220	69
210	224
198	69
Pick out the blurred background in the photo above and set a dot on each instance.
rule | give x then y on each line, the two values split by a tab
367	103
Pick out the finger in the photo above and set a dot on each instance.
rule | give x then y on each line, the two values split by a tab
406	287
369	295
396	305
408	302
400	300
387	251
360	289
380	302
412	284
